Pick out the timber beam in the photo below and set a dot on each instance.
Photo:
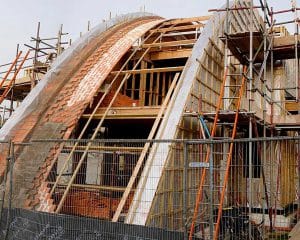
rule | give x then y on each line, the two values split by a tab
285	41
287	120
162	55
170	44
149	70
126	113
94	187
165	54
292	106
105	148
187	20
178	28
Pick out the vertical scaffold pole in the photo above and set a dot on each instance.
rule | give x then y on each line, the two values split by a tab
294	7
265	104
185	189
250	103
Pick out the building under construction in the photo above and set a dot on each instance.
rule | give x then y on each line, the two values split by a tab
147	128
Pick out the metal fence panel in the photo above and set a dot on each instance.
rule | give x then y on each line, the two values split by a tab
84	182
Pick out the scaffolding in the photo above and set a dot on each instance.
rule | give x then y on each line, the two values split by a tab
233	89
263	48
34	66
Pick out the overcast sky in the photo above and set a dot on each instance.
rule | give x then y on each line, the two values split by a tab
18	18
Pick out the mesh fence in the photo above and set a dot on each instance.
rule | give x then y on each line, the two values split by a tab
137	189
251	194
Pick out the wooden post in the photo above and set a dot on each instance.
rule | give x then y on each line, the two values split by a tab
142	84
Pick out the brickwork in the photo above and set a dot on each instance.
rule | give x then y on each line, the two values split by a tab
66	108
120	101
76	95
92	204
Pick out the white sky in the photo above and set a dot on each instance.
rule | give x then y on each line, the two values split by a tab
18	18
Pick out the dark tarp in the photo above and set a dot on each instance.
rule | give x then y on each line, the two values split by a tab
32	225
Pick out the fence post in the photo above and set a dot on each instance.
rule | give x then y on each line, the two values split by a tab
211	188
298	167
11	167
185	189
12	163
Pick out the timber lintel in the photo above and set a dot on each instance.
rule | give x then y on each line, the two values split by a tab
287	120
292	106
127	113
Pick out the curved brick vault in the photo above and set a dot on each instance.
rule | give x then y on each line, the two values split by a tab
64	99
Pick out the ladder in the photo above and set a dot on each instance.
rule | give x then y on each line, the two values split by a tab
238	96
10	83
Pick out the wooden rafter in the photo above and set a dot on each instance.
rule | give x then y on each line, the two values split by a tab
149	70
186	20
170	44
178	28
